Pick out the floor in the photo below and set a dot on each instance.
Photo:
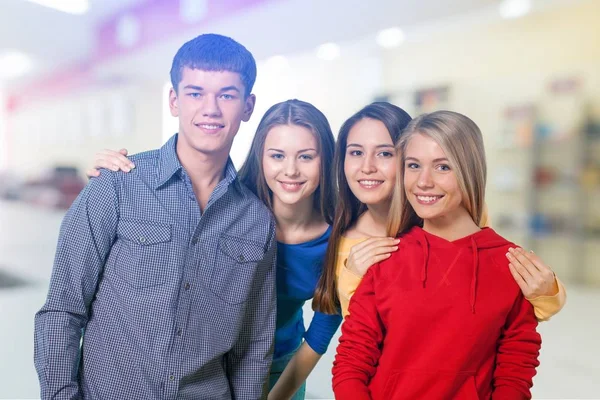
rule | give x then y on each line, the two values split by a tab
569	360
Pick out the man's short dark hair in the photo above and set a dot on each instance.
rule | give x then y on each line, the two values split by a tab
212	52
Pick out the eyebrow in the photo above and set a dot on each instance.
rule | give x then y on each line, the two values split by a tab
379	146
223	89
436	160
299	151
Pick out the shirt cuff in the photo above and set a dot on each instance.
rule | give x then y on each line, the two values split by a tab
547	306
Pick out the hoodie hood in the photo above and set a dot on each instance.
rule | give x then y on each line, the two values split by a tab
486	238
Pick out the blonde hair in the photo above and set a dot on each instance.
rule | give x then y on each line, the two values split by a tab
461	140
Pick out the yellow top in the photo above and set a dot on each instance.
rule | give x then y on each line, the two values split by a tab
347	282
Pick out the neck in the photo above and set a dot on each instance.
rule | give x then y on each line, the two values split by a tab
373	222
293	217
203	169
451	227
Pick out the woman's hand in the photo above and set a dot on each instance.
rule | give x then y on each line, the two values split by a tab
110	159
533	276
369	252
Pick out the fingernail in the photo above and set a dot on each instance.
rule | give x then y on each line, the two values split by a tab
508	255
395	247
397	240
126	169
510	249
132	165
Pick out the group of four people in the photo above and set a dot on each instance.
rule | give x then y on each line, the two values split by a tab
183	279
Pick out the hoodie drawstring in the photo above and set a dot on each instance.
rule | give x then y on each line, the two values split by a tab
425	261
475	271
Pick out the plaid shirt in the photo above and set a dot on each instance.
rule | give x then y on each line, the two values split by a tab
171	304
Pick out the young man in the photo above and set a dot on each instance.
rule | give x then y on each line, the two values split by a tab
168	272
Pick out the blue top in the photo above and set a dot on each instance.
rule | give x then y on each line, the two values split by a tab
299	268
167	296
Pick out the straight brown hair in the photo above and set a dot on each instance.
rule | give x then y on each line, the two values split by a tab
349	208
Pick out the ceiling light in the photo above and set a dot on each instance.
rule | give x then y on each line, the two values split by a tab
389	38
68	6
514	8
14	64
328	51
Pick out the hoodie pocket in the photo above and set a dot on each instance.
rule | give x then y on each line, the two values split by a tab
409	384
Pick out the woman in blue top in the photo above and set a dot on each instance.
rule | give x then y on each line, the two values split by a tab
289	167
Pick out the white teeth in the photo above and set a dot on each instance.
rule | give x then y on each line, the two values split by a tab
428	199
370	183
210	126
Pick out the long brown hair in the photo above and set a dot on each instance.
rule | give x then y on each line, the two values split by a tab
461	140
349	208
300	113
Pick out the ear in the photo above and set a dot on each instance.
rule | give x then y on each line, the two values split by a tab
249	107
173	103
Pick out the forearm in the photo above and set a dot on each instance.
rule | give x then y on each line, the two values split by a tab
295	373
56	351
347	284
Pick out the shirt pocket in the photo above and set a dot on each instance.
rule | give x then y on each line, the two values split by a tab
235	265
408	385
143	259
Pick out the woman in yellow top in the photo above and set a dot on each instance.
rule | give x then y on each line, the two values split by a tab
365	163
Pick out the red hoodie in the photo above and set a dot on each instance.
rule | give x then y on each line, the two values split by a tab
439	320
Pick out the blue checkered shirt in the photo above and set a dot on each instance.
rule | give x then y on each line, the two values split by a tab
170	303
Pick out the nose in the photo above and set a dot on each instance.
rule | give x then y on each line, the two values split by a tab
425	179
210	107
291	169
368	165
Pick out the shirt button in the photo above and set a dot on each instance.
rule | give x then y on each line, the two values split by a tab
171	378
187	286
242	258
179	331
142	239
195	241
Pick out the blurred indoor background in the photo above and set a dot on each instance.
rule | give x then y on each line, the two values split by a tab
77	76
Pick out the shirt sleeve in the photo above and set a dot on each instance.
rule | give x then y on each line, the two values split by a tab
321	330
346	286
518	351
249	361
86	237
360	344
546	307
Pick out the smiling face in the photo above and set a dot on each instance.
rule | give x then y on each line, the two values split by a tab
210	106
291	164
430	183
370	162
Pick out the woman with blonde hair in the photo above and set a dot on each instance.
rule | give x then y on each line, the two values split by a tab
443	317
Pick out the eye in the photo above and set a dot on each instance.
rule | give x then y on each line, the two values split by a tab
444	167
412	165
226	96
194	95
277	156
355	153
306	157
386	154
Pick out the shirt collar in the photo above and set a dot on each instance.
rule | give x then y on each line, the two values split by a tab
169	165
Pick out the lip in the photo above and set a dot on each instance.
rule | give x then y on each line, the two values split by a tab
370	184
427	199
291	186
210	127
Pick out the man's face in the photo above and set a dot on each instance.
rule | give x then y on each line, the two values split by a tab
210	106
